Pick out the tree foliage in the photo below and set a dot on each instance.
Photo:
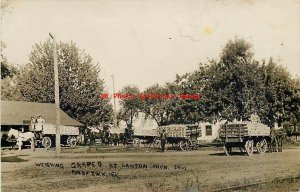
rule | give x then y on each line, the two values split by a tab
130	104
9	75
79	82
233	86
236	86
7	70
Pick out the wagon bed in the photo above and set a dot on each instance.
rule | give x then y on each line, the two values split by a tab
184	136
245	135
49	129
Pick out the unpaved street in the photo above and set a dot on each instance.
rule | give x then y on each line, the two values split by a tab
143	170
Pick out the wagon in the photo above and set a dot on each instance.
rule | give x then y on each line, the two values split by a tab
183	136
246	136
146	137
46	136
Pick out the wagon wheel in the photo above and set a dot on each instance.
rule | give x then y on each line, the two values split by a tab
185	145
227	150
71	141
249	147
136	142
46	142
262	146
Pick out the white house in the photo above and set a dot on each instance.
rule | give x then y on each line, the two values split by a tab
210	131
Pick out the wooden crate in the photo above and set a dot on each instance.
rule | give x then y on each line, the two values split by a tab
174	130
146	132
244	129
49	129
180	130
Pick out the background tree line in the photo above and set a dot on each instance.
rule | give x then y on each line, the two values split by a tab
233	86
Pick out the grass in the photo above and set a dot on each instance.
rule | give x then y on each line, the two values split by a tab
11	159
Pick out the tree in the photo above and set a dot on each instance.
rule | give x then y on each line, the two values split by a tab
236	86
186	110
281	94
9	90
160	103
79	82
233	87
7	70
130	104
9	75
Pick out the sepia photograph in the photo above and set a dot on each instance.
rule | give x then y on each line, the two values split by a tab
150	96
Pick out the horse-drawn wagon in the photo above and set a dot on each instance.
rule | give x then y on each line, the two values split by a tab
46	137
146	137
42	134
184	137
247	135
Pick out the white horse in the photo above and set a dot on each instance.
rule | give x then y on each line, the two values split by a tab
21	137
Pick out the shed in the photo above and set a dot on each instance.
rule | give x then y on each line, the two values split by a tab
19	113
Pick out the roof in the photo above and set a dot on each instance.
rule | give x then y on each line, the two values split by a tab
20	113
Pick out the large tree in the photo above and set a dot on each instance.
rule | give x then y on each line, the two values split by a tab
234	89
130	103
79	82
236	86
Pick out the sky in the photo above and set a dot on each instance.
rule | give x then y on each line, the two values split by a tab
143	42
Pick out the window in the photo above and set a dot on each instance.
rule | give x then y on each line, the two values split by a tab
208	130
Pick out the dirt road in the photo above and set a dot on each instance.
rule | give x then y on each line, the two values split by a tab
144	170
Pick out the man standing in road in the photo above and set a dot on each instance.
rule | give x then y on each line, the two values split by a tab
163	139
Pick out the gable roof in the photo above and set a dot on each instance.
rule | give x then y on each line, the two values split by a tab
20	113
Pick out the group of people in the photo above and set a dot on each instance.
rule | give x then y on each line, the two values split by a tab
37	125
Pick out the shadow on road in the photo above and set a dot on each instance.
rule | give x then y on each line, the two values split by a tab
223	154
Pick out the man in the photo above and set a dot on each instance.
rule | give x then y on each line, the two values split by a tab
32	126
39	123
163	139
126	136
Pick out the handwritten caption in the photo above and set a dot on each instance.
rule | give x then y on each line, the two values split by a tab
101	169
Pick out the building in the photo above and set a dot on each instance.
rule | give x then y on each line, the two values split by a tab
210	131
18	114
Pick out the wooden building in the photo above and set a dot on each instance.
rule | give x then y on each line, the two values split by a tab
18	114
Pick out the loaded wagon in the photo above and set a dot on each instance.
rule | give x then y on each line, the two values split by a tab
183	136
45	135
248	135
146	137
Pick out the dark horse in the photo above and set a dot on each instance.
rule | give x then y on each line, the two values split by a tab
276	140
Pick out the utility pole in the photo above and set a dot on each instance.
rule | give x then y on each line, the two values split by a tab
115	107
57	108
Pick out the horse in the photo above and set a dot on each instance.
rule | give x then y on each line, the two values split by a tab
277	137
21	137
